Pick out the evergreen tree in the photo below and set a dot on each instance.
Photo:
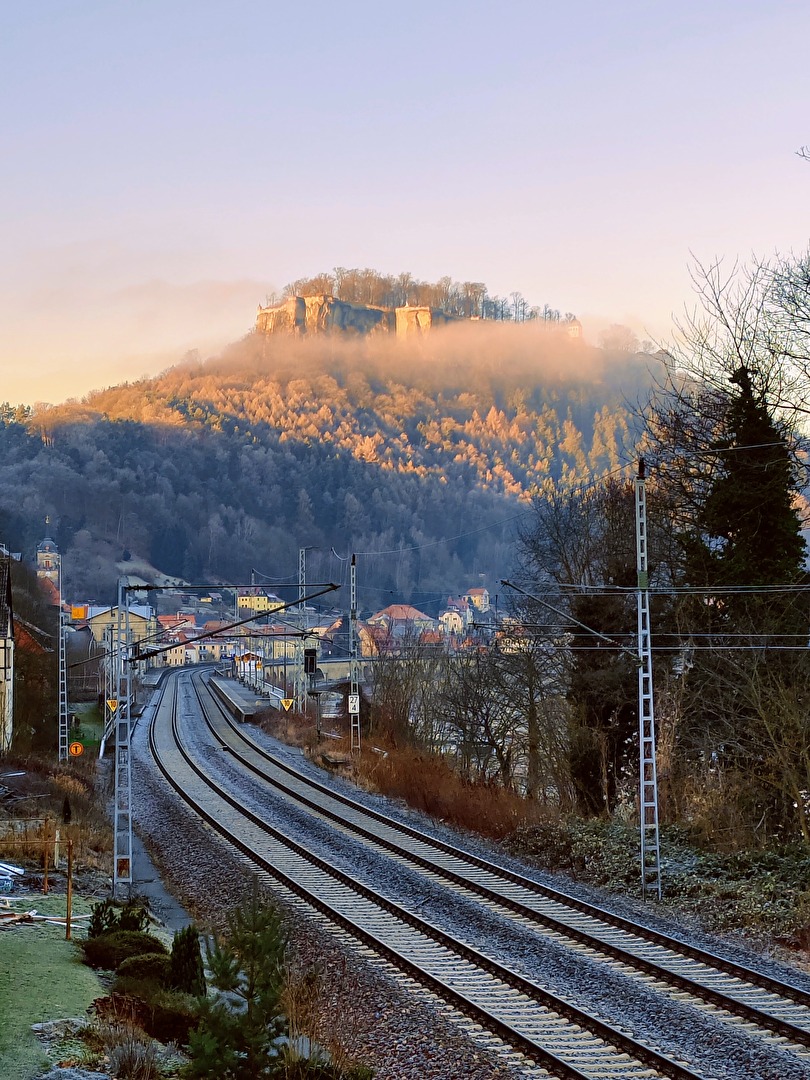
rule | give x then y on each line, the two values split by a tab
586	538
749	528
748	665
186	970
239	1028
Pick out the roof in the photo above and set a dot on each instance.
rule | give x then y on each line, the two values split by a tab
459	603
140	611
401	613
173	620
50	590
25	640
479	590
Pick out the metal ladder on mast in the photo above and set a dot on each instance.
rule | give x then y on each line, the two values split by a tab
64	722
648	776
354	667
122	829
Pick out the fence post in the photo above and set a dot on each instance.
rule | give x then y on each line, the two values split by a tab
69	903
45	847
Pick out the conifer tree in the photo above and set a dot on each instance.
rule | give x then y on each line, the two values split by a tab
744	622
186	970
238	1031
749	530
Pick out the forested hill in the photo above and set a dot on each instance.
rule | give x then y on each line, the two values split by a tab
217	467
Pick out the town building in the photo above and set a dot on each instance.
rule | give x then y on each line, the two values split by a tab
479	598
255	601
104	621
402	620
49	569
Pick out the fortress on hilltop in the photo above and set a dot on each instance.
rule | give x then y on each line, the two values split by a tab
323	314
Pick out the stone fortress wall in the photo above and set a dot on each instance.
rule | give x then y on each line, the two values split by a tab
305	315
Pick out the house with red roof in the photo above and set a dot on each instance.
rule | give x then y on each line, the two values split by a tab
400	620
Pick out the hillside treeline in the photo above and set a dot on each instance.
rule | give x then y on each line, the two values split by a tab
213	469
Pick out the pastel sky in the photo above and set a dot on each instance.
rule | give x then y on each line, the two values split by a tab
166	165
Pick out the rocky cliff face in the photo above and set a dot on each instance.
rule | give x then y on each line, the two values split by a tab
305	315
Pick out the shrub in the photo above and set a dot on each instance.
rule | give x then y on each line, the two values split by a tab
238	1029
186	970
152	966
108	916
134	1058
103	919
171	1017
110	950
162	1014
133	916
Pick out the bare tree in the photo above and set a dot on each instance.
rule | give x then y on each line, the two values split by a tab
755	317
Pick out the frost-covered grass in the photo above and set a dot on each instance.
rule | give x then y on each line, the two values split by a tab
760	892
42	978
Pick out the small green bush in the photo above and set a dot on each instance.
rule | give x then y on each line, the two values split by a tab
171	1017
133	916
103	919
186	970
153	966
110	950
108	916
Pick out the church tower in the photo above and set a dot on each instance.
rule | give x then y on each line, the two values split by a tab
49	561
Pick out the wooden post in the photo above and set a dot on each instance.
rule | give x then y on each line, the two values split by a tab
69	910
45	861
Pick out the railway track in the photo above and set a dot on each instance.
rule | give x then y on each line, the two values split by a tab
752	996
564	1039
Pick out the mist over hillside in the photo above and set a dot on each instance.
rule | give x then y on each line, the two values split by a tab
217	467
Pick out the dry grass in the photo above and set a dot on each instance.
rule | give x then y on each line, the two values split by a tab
292	728
50	797
424	781
430	784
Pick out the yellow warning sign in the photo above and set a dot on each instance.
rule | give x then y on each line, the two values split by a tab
112	704
287	702
76	749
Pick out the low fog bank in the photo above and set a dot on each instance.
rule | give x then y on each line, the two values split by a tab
471	355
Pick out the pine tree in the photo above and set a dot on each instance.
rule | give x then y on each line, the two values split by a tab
238	1029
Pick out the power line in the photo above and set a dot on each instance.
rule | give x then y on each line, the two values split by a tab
223	629
678	590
